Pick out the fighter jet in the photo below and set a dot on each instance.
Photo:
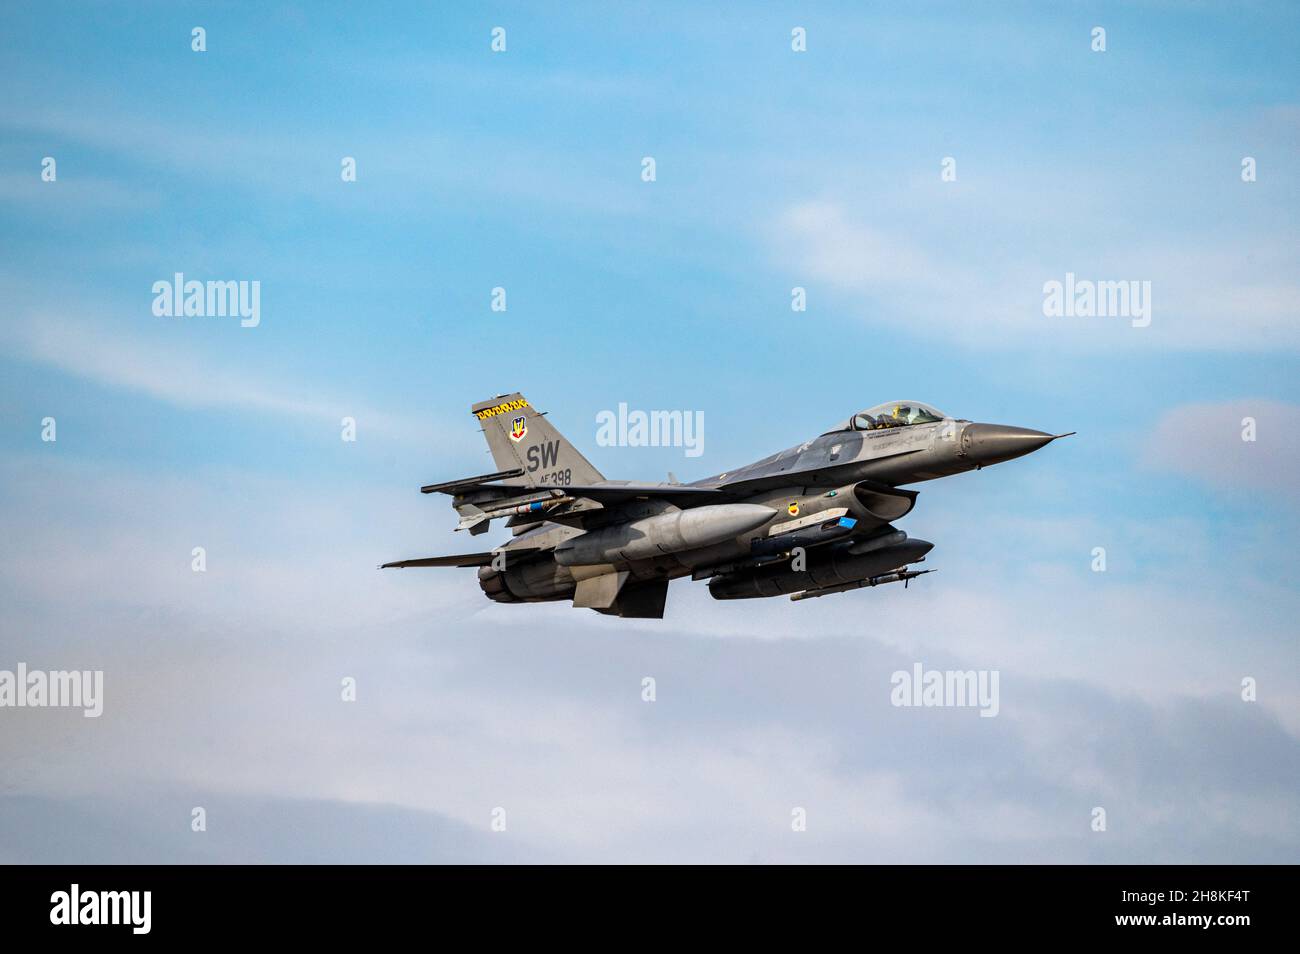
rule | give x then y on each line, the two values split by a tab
807	522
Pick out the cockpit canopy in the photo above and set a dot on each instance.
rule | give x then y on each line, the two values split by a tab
892	414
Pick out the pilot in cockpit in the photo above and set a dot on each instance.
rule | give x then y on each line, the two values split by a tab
895	415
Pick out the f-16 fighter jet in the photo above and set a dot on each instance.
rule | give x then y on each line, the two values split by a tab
806	522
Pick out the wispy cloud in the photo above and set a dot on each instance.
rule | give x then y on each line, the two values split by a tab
851	254
1238	446
1224	295
183	376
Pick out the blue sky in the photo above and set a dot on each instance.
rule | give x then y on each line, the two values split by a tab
775	169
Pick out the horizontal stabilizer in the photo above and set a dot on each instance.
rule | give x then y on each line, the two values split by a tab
455	486
463	559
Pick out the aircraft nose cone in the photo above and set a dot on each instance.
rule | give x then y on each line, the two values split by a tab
994	443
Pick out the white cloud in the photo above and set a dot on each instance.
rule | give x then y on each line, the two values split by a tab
232	679
183	376
974	285
822	240
1204	441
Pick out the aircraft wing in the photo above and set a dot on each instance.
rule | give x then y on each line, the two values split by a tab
463	559
616	493
818	474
